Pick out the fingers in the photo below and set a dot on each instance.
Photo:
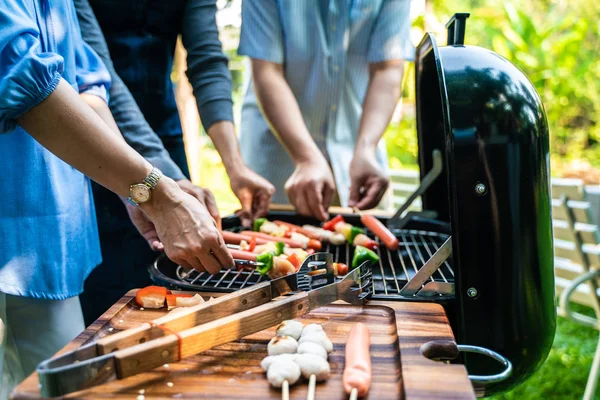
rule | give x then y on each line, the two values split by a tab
355	187
374	191
245	213
328	193
222	255
260	206
211	206
314	196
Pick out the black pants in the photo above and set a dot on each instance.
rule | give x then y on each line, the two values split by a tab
125	253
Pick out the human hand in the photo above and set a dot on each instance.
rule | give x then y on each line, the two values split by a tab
368	181
184	227
311	187
254	193
204	196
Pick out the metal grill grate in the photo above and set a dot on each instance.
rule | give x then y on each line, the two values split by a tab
394	270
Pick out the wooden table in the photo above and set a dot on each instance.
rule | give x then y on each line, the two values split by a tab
210	374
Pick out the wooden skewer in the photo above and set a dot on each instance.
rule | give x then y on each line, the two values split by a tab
285	390
354	394
312	382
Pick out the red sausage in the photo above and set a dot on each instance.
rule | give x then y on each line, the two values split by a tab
242	255
236	238
264	236
357	372
306	232
383	233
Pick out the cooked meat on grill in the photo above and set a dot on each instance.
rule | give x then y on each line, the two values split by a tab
290	328
282	345
282	370
311	364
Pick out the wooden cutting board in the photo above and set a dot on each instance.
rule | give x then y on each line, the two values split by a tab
232	371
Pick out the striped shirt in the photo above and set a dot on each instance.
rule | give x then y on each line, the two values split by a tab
326	51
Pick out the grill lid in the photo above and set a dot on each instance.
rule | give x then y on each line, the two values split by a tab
488	122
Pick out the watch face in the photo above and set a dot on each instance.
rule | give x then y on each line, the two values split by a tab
140	193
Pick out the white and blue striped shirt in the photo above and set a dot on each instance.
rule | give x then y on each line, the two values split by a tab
326	47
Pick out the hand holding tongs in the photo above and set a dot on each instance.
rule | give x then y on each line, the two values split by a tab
188	332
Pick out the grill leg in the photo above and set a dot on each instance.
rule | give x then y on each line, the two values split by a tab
590	388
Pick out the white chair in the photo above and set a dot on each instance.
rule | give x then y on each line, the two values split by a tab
577	260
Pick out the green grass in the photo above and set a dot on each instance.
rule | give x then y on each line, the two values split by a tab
564	374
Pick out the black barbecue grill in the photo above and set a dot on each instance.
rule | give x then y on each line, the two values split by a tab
484	159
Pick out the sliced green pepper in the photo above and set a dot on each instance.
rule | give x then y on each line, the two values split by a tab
258	223
280	246
353	232
362	254
267	262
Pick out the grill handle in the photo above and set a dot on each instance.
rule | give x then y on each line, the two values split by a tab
449	350
487	379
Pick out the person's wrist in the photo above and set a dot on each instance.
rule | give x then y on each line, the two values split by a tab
365	148
165	196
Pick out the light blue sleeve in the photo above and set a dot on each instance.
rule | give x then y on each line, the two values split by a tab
92	75
262	35
28	74
390	37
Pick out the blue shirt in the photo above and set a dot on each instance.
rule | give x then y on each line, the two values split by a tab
47	222
141	36
326	52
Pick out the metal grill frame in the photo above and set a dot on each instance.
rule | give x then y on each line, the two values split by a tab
389	275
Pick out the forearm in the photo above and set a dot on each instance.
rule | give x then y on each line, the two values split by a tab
223	136
282	111
384	90
66	126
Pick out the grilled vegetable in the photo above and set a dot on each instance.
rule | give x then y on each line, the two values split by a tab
337	239
330	225
258	223
362	254
363	240
280	246
340	269
267	262
295	228
355	232
281	267
295	261
152	296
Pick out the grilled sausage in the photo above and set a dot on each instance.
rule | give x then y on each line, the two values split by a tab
383	233
242	255
236	238
357	372
264	236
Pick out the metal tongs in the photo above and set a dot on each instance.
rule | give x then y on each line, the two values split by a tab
188	332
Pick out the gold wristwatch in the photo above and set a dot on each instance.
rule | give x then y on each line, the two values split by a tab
141	192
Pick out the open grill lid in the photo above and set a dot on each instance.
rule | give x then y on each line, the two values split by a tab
487	120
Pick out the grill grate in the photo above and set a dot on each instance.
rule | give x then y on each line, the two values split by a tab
394	270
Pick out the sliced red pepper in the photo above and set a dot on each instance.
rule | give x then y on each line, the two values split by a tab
330	225
252	244
294	260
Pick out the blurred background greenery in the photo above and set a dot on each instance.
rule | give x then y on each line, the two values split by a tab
556	43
